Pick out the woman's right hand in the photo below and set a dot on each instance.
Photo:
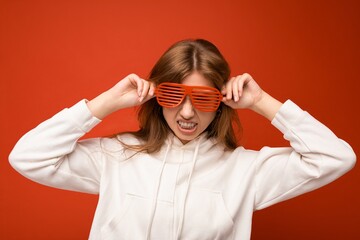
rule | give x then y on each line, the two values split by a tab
130	91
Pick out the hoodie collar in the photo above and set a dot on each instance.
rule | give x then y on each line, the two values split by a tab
204	142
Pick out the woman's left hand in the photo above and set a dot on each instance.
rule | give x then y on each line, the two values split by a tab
241	92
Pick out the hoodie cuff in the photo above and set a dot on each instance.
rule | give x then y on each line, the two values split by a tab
82	117
288	115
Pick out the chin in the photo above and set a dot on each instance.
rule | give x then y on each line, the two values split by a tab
185	139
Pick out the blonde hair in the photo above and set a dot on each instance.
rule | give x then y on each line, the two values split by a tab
179	61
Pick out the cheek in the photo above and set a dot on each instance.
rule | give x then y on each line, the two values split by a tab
169	114
207	118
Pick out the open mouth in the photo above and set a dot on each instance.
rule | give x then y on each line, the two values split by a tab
187	126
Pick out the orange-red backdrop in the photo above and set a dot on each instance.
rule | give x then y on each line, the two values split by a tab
54	53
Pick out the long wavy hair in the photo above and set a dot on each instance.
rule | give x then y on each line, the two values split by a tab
179	61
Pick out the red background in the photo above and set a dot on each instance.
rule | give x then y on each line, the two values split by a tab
54	53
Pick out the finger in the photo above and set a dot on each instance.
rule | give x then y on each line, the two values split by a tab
145	89
235	89
245	79
229	103
240	84
136	81
150	94
152	89
148	90
229	89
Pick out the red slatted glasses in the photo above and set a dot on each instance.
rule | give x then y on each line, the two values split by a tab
170	95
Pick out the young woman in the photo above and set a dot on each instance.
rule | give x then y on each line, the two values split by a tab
181	175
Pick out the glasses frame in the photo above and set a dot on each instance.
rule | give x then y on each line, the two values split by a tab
203	98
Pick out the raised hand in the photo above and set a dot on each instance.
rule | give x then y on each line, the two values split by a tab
130	91
242	92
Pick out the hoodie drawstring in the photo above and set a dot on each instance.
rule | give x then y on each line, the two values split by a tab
156	193
155	197
182	212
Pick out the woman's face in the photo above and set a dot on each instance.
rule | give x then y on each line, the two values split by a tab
186	121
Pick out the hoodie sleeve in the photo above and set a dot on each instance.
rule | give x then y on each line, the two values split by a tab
50	154
316	157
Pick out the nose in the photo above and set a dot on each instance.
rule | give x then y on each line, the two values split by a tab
187	109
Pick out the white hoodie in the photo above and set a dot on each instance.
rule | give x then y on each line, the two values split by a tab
193	191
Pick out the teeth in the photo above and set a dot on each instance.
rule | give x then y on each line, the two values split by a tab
187	125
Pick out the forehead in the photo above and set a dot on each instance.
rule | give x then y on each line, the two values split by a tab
196	79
